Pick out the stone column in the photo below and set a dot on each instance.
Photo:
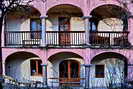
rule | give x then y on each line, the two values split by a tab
87	28
86	75
130	27
3	68
43	34
44	68
130	72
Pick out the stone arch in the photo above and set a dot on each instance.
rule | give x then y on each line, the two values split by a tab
59	53
110	67
32	52
52	53
110	54
109	13
59	9
105	55
25	11
22	53
18	66
110	6
55	60
114	3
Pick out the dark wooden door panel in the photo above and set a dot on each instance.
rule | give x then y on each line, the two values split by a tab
64	28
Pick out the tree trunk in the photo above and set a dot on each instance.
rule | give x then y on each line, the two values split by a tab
1	25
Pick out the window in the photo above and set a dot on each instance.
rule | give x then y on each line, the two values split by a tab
35	25
36	68
99	71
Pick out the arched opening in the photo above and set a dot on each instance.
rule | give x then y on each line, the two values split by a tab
65	10
64	67
64	18
22	24
24	67
111	17
108	68
109	26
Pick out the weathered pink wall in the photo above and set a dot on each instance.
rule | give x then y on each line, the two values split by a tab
86	6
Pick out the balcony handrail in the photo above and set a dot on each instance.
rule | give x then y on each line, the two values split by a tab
65	31
21	31
65	38
109	31
22	38
109	38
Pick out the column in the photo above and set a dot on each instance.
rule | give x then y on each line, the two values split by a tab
87	83
130	72
82	75
44	68
43	34
87	28
130	27
3	68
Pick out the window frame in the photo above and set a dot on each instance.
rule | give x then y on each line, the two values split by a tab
36	67
99	73
35	33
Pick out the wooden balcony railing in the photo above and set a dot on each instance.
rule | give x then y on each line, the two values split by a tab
108	39
22	38
65	38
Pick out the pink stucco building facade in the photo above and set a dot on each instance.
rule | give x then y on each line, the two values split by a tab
59	39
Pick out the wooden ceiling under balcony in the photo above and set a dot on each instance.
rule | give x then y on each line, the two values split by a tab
108	11
65	10
24	12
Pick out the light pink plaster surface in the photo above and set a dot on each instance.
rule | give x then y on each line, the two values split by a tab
86	6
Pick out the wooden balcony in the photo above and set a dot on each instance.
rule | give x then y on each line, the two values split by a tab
65	38
109	39
22	38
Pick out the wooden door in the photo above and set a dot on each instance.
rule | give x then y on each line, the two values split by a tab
64	31
69	72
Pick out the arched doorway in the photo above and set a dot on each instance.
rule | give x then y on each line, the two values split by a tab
23	27
109	26
65	69
110	16
108	69
24	67
69	70
65	24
